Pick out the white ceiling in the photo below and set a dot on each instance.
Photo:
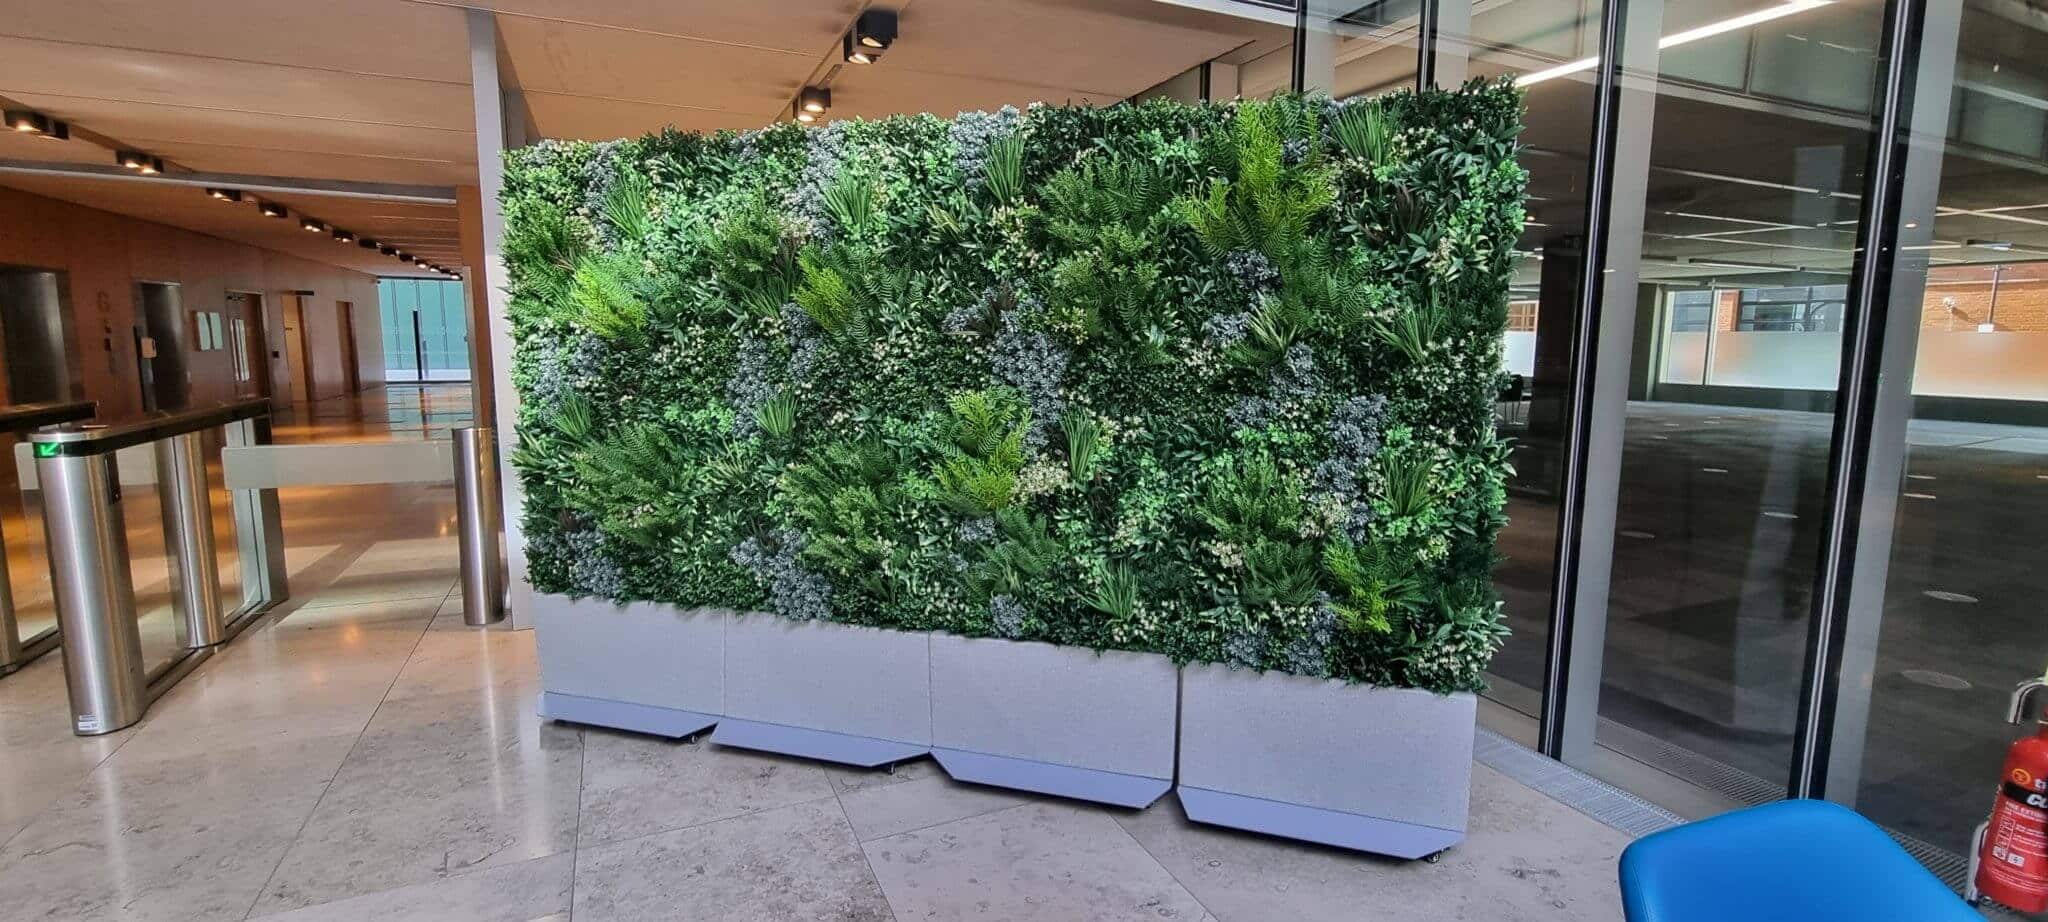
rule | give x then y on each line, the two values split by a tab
378	90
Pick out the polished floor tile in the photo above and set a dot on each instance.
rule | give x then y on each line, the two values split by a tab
537	889
1039	861
793	864
635	785
887	810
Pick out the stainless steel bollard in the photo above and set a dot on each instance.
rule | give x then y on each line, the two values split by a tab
477	517
95	600
188	537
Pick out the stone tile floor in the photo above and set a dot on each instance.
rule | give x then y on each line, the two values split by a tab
376	760
364	756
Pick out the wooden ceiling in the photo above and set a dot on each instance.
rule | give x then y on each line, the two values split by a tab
378	91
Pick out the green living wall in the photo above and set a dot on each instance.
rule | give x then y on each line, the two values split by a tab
1213	381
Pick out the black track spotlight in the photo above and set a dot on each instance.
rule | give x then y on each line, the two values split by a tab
388	250
225	195
272	210
814	99
59	131
312	226
366	243
855	54
26	122
455	275
135	160
342	236
403	256
874	31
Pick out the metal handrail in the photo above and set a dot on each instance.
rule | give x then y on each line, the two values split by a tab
74	441
26	417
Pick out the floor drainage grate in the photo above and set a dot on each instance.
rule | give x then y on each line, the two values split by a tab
1573	788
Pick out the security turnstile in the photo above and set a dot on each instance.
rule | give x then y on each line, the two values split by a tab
17	650
80	470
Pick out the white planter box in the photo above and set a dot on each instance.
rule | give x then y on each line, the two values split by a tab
1056	720
1385	770
855	695
644	667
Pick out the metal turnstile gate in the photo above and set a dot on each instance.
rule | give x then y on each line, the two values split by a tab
19	420
79	470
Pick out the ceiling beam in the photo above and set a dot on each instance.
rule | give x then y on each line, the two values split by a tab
274	185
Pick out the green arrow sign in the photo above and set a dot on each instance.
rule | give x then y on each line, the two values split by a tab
46	449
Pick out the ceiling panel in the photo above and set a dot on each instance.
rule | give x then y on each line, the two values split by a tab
790	25
392	37
873	92
143	123
586	61
16	146
47	69
1109	47
215	158
190	208
603	119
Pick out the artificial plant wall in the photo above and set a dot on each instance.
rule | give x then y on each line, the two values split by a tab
1213	381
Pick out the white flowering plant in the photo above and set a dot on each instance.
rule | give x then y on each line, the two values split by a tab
1212	381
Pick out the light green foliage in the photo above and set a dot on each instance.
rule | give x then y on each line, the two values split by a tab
1006	168
1208	381
983	451
608	297
1084	444
754	261
1267	207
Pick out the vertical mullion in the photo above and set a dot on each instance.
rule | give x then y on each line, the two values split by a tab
1427	31
1299	79
1863	346
1592	272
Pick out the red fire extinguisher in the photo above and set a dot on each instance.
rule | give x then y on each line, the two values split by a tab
2009	860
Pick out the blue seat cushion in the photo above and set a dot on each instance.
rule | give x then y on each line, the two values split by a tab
1792	861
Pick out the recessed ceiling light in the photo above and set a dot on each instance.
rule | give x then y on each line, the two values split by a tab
312	225
26	122
138	161
225	195
272	210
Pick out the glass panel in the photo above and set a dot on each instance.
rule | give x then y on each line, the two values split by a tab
28	559
1749	233
159	613
1355	49
1961	617
221	506
1520	38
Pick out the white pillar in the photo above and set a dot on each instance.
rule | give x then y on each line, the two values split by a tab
488	93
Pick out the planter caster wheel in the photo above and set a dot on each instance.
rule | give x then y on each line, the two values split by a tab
889	769
690	740
1434	857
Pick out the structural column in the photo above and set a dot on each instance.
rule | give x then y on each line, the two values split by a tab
488	94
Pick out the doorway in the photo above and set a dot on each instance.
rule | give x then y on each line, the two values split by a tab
160	347
250	345
36	344
296	351
345	320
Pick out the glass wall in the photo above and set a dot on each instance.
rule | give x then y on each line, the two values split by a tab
1956	619
426	329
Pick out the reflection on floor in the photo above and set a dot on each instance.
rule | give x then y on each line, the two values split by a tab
1718	537
364	756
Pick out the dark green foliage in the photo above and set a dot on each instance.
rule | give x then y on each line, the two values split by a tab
1210	381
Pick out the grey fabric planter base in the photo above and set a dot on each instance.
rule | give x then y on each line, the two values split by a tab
823	745
1134	791
624	715
1312	824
